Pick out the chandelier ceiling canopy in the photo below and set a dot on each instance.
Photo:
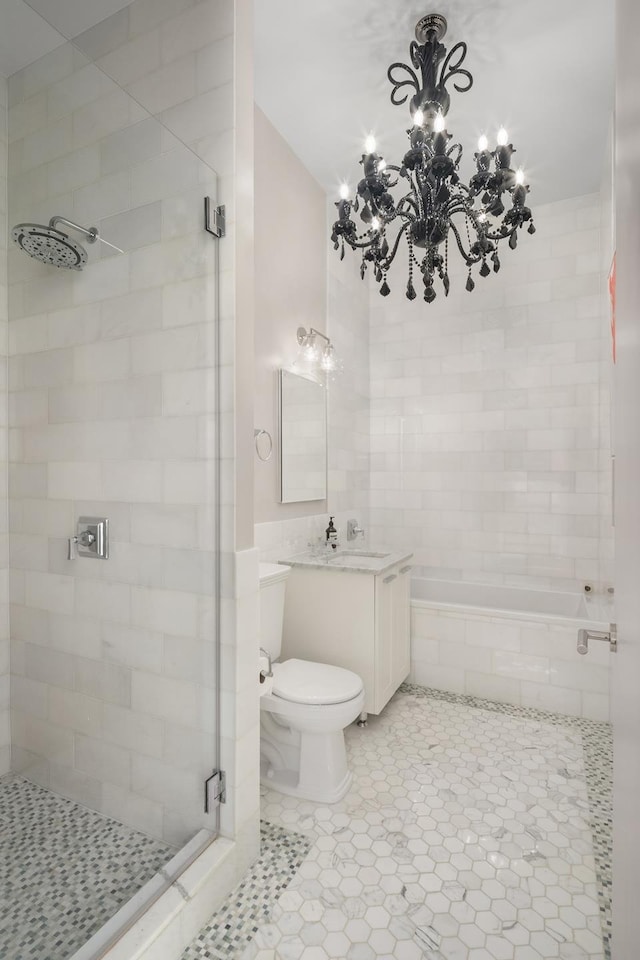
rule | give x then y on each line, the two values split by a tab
431	208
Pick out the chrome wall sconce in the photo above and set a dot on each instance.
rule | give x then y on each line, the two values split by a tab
315	353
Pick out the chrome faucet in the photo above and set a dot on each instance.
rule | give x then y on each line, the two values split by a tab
269	671
353	530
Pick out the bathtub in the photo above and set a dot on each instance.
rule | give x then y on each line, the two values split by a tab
510	644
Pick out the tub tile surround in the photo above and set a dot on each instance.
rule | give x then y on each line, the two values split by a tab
490	453
529	663
473	830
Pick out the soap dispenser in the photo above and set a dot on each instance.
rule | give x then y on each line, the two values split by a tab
332	535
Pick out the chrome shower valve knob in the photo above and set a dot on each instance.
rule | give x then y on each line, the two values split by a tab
91	540
85	539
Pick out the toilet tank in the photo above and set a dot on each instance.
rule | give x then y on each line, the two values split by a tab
273	582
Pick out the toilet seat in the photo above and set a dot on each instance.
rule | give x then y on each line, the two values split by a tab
303	681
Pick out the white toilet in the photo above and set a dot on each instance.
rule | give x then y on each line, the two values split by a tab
302	720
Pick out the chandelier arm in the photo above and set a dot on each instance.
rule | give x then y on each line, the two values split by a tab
463	187
450	70
455	147
360	245
419	193
399	84
390	256
457	208
407	213
468	258
500	234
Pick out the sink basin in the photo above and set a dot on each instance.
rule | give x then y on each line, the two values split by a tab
358	558
361	553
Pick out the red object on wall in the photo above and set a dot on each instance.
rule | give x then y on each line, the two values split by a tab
612	297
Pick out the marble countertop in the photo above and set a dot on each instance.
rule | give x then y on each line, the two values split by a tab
355	560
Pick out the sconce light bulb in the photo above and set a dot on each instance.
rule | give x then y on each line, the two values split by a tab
375	224
310	348
503	137
370	144
328	360
483	143
382	165
344	191
482	217
519	176
438	123
418	118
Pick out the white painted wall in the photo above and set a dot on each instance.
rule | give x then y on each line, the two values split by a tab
291	291
285	529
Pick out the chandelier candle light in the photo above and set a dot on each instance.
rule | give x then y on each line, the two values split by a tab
429	172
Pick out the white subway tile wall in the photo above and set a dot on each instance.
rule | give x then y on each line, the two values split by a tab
527	663
490	415
5	734
113	389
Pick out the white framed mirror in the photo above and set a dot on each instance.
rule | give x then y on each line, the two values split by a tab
303	438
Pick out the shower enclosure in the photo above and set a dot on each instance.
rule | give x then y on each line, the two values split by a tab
108	764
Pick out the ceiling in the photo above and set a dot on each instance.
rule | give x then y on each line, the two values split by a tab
542	68
30	30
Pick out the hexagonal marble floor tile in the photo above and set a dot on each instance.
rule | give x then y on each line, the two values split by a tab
465	836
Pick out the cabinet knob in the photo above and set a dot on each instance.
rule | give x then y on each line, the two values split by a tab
390	578
405	569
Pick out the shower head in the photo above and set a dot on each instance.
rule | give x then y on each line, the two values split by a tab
52	246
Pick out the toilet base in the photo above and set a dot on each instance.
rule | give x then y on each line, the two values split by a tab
286	781
303	763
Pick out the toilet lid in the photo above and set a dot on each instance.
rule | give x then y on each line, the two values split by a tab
302	681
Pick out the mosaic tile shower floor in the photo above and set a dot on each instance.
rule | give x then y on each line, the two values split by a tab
468	834
64	871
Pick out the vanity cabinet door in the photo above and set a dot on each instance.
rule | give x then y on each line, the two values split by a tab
401	627
385	685
392	641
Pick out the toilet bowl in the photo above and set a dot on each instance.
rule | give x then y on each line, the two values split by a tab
303	717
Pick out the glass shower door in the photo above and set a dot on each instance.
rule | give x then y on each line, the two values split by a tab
114	415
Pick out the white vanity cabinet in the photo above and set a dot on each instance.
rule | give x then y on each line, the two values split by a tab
355	620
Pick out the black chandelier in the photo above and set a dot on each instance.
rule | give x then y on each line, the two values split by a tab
435	194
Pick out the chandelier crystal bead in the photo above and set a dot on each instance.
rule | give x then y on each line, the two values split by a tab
435	203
